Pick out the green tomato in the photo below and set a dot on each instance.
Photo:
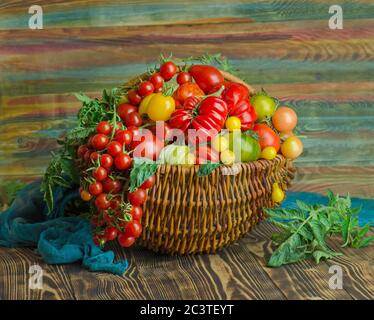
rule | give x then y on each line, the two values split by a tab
264	105
173	154
245	147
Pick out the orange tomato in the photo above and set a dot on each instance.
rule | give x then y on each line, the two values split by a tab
186	90
292	147
284	119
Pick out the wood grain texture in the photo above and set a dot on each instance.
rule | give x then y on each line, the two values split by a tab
238	272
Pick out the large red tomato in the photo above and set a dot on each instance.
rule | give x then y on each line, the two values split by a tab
208	78
266	136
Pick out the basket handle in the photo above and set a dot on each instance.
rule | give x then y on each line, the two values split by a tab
232	78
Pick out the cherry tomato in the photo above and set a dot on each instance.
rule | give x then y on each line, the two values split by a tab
98	240
168	70
122	161
148	183
82	150
284	119
95	188
102	201
100	141
106	216
136	213
148	146
124	109
277	193
125	241
162	131
110	233
133	229
268	153
138	197
133	119
264	105
184	77
266	136
227	157
106	161
114	148
94	156
124	137
220	143
158	90
111	186
87	156
157	80
85	195
134	97
104	127
100	174
292	147
233	123
115	203
145	88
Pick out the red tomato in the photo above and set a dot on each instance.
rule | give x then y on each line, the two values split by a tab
133	119
149	147
266	136
122	161
111	186
99	141
138	197
204	153
124	137
187	90
102	201
146	88
110	233
184	77
134	97
114	148
168	70
124	109
82	150
164	133
157	80
133	229
94	156
208	78
106	161
136	213
95	188
104	127
125	241
100	174
115	203
148	183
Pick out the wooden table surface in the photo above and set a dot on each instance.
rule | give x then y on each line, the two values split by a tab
237	272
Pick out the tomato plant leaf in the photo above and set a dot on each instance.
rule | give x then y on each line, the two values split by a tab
142	169
207	168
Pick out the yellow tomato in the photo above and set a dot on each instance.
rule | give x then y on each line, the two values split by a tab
233	123
85	195
191	159
292	147
160	107
227	157
220	143
268	153
143	107
277	194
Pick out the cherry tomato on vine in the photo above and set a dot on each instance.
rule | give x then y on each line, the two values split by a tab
136	213
133	119
133	229
149	183
100	141
184	77
95	188
168	70
85	195
87	156
157	80
94	156
134	97
124	109
115	203
104	127
125	241
100	174
102	201
106	161
124	137
138	197
110	233
146	88
82	150
114	148
111	186
122	161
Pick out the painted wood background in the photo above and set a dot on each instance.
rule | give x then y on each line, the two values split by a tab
284	46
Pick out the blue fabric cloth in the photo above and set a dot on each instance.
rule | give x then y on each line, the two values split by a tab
59	239
366	215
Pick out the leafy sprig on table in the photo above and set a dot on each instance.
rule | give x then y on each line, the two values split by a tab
304	230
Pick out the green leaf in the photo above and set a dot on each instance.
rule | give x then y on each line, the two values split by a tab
79	133
142	170
83	98
207	168
365	242
321	254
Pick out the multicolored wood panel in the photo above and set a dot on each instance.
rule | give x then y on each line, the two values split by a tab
285	47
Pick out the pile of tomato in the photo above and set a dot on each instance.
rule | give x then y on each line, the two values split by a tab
223	113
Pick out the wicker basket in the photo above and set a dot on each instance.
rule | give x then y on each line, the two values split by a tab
187	214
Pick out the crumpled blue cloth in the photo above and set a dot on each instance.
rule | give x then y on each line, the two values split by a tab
59	239
367	205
